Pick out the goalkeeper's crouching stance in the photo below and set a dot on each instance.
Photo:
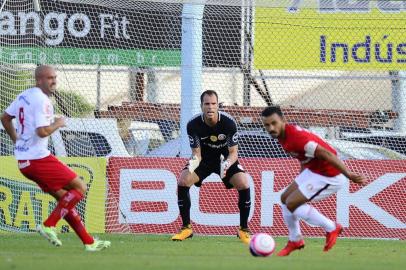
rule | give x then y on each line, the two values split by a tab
213	138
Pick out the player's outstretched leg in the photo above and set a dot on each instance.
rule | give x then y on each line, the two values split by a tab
50	234
331	237
290	247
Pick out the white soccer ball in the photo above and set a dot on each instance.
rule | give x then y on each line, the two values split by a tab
262	245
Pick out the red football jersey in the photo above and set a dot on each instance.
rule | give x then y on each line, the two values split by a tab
301	144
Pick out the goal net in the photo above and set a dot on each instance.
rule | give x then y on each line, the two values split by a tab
130	74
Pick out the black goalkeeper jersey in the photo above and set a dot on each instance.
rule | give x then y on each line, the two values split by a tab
213	141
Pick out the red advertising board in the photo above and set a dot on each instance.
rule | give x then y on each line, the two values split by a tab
142	198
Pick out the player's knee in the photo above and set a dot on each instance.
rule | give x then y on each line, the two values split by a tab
283	198
58	194
80	186
291	205
243	184
83	189
182	182
240	181
185	179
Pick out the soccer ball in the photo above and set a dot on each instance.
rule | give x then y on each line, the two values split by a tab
262	245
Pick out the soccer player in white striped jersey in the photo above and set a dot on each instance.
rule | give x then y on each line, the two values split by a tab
34	113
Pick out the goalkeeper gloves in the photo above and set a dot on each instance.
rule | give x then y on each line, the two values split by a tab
193	163
224	164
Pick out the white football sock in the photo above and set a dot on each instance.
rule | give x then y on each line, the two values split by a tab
312	216
292	222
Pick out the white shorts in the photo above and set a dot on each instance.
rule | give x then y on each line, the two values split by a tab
317	187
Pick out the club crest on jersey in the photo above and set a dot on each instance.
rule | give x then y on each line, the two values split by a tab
213	138
221	137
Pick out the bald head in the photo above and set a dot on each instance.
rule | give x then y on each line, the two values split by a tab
40	70
45	78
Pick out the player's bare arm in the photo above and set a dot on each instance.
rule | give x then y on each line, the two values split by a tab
322	153
6	120
48	130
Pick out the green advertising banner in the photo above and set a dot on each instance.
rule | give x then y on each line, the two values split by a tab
23	204
145	35
83	56
330	37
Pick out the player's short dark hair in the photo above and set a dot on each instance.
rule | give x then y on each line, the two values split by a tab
271	110
209	93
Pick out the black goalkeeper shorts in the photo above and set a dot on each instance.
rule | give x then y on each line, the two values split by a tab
205	169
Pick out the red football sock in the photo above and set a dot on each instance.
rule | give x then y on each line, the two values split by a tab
65	204
74	220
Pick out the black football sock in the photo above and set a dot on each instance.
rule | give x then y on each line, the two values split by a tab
244	204
184	204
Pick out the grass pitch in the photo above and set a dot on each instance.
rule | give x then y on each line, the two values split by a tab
31	252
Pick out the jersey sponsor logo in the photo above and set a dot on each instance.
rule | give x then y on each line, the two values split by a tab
221	137
213	138
22	148
204	138
191	140
216	146
235	138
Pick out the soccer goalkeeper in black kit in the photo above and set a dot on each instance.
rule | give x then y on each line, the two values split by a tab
214	141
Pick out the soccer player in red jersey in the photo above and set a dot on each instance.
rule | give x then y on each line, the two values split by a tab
322	174
35	123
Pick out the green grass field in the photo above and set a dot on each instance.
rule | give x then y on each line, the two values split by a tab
31	252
